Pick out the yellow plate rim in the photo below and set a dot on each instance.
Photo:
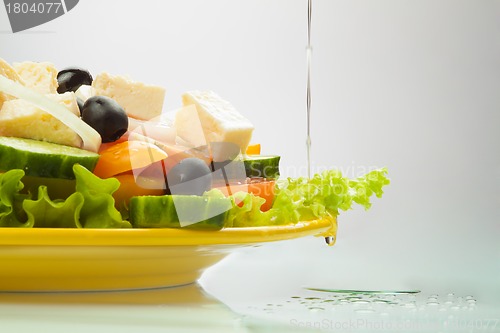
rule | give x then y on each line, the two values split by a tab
159	237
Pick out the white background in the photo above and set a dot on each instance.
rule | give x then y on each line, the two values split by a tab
411	85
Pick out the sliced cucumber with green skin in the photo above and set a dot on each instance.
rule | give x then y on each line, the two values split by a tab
179	211
265	166
43	159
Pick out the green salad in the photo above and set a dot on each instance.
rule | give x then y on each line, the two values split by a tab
84	152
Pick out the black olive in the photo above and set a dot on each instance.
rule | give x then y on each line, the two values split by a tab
106	116
191	176
70	79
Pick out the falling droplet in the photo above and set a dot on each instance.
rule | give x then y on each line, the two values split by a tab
330	240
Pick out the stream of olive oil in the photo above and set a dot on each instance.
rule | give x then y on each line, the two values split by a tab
330	240
308	87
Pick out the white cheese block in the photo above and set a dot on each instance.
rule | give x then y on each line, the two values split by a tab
139	100
9	72
39	76
85	92
20	118
219	120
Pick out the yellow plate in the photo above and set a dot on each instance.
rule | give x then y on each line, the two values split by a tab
115	259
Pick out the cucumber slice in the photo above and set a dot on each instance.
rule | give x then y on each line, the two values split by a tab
179	211
43	159
265	166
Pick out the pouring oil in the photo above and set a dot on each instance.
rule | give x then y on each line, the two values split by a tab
330	240
308	88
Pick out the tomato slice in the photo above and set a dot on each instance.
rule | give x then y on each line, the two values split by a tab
257	186
125	156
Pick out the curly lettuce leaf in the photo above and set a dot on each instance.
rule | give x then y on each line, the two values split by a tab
304	199
46	213
98	210
11	212
90	206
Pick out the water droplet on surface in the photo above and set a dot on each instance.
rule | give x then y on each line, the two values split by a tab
410	305
432	303
360	301
316	309
379	301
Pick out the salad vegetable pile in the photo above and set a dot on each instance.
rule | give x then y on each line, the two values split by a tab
79	152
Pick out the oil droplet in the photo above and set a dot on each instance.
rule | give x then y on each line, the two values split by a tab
433	303
364	310
316	309
360	301
295	297
381	300
410	305
312	298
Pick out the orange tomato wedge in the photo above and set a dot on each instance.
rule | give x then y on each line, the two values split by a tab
256	186
125	156
253	149
130	187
